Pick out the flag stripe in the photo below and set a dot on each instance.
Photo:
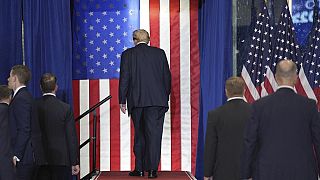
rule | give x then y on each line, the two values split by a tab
154	23
104	126
195	78
115	126
94	99
164	43
144	13
305	84
185	95
125	142
175	81
84	127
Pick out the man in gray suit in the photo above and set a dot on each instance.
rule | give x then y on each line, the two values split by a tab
282	137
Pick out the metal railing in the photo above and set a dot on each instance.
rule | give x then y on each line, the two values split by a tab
92	139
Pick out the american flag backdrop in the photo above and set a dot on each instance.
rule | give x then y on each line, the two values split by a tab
269	44
102	30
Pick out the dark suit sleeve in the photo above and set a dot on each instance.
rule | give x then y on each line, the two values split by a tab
72	138
250	143
166	73
124	78
23	111
210	145
315	130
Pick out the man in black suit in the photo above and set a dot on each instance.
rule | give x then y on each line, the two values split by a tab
53	134
145	84
224	135
282	137
20	122
6	165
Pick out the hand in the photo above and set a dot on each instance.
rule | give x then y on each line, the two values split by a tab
123	108
207	178
14	161
75	169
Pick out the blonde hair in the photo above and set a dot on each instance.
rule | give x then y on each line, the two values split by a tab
141	35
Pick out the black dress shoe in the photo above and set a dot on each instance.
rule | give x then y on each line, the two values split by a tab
152	174
136	173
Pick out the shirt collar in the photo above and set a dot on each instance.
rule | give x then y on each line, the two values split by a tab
232	98
16	91
49	94
142	42
4	103
285	86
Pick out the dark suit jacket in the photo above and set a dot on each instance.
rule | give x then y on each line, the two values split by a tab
5	147
224	140
54	135
145	78
283	129
20	127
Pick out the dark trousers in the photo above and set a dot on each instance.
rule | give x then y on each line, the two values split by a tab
148	127
6	169
50	172
25	171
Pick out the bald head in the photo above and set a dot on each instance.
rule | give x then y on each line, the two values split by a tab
286	73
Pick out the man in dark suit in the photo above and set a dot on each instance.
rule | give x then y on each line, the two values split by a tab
282	137
19	121
6	165
53	134
224	135
145	84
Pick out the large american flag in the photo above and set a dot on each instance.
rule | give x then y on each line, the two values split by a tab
102	30
268	45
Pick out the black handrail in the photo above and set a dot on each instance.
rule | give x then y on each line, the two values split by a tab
93	108
94	137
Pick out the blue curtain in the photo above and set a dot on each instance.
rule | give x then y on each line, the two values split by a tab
48	43
10	37
215	39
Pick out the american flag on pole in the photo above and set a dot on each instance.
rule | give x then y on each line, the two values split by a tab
309	79
280	43
256	70
102	30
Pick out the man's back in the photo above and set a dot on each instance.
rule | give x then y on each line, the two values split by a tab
224	140
284	126
58	136
148	76
5	149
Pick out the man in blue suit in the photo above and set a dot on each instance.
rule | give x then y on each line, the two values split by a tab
145	84
20	122
282	138
6	166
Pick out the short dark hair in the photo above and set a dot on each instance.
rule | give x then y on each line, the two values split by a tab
235	86
22	72
48	82
5	92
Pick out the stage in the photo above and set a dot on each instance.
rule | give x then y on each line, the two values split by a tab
162	175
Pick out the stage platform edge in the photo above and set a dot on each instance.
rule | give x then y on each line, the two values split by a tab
162	175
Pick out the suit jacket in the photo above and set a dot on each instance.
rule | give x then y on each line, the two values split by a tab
224	140
285	131
20	126
5	147
145	78
54	135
